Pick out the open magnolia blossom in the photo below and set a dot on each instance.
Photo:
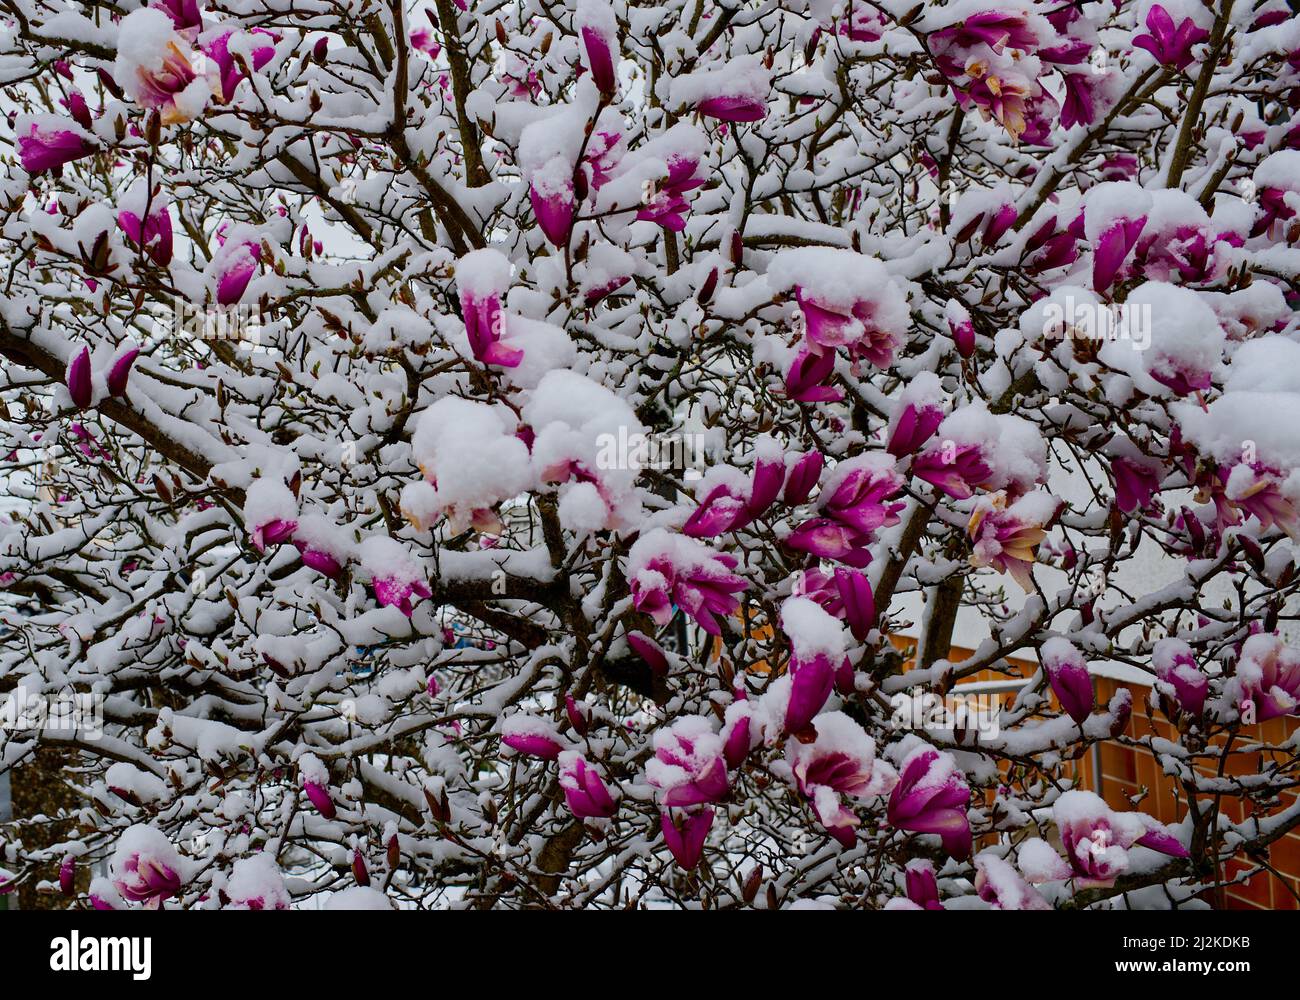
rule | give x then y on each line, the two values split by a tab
466	454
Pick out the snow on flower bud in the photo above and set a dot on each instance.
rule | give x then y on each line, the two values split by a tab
578	713
1180	678
120	371
270	512
79	109
688	767
322	545
932	797
1096	840
68	875
532	737
395	577
1006	537
1115	213
46	142
596	25
1067	673
471	459
998	884
735	91
103	894
978	449
145	867
739	733
961	326
918	415
1170	44
841	762
847	300
256	883
667	569
155	67
78	380
585	791
482	277
649	651
1266	682
360	873
817	649
234	266
685	834
922	888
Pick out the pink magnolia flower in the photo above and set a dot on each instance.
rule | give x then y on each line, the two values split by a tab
1180	678
1171	45
688	767
599	33
956	470
236	264
803	476
185	14
1006	538
1136	483
145	867
734	108
554	205
1266	684
841	762
585	792
48	146
532	737
155	67
668	206
846	594
998	884
827	327
858	493
1096	840
396	579
319	797
932	797
1067	673
78	380
806	378
665	569
922	887
729	508
153	233
1257	490
997	29
685	834
482	277
270	513
1113	247
229	72
649	651
960	325
321	545
422	40
68	875
739	733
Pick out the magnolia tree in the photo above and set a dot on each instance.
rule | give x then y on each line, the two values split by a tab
479	452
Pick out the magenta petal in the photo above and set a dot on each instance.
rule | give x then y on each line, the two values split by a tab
686	842
650	651
121	371
810	687
803	477
78	380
